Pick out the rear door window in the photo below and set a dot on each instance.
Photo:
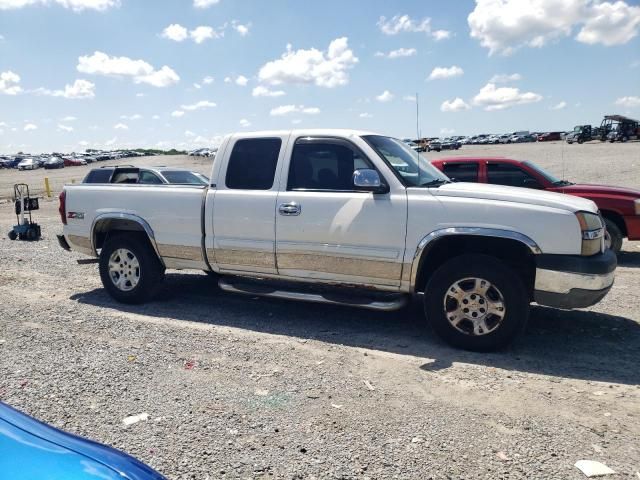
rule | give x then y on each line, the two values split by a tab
252	165
462	172
99	175
149	178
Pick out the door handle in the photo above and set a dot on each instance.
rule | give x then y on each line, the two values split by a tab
289	209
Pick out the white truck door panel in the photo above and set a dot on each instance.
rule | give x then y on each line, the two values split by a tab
327	231
244	205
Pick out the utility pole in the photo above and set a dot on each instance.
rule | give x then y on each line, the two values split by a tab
417	117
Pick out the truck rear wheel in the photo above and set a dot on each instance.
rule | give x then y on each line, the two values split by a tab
476	302
129	268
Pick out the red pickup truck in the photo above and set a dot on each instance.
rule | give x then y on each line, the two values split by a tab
619	206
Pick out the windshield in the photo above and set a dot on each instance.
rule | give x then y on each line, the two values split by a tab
184	178
412	168
544	173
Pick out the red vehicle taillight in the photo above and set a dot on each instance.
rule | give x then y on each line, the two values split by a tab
63	207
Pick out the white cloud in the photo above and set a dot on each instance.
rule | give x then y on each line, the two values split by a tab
385	96
559	106
30	126
197	106
65	128
492	98
399	53
628	102
10	83
261	91
75	5
447	131
287	109
121	126
409	98
202	33
324	69
68	118
175	32
245	123
197	86
140	95
242	29
365	115
177	113
455	105
204	3
135	116
228	80
208	80
189	133
610	24
503	26
441	35
242	80
505	78
142	72
403	23
156	117
81	89
440	73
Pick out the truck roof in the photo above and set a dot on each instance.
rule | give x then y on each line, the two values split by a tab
342	132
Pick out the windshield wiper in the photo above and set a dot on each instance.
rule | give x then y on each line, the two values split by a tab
562	183
435	182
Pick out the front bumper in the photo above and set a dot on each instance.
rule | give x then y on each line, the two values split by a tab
573	281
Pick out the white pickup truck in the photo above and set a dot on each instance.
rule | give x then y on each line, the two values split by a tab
349	217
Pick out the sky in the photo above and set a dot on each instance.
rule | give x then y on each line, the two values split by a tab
77	74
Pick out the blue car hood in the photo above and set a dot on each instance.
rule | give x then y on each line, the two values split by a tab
32	450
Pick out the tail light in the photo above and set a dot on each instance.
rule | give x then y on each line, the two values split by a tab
63	207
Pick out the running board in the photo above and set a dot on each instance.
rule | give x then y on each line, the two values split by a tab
380	301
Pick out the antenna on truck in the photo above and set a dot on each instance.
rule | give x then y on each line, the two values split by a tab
417	118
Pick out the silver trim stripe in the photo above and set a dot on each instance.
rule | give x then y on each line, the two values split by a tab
563	282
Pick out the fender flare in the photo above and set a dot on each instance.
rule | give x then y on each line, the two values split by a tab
428	241
123	216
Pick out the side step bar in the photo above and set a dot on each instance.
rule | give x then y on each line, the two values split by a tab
370	300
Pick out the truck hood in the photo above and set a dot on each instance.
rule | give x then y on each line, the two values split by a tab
599	190
517	195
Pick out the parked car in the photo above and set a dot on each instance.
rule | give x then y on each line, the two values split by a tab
54	162
34	450
549	136
73	162
145	175
28	164
620	207
434	145
358	214
413	145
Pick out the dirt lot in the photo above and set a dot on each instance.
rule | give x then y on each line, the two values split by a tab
239	387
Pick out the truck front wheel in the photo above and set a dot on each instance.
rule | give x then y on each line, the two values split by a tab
613	236
129	268
476	302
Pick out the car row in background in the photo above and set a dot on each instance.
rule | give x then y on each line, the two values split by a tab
620	207
204	152
57	160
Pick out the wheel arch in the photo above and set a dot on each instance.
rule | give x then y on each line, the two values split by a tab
517	249
108	223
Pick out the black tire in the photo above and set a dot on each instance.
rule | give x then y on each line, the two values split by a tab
13	235
613	236
580	141
150	272
506	282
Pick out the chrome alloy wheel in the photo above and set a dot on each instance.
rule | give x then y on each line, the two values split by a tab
474	306
124	269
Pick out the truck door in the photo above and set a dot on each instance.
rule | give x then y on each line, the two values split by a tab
245	203
327	230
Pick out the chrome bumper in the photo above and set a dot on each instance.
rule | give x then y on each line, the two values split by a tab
567	281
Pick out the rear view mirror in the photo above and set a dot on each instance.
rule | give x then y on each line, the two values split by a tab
368	180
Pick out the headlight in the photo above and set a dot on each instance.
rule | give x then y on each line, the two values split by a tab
636	204
592	232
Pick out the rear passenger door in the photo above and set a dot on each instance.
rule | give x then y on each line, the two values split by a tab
461	172
245	203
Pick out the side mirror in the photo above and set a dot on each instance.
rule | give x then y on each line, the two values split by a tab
368	180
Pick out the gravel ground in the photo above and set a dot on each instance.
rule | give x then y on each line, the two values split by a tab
240	387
